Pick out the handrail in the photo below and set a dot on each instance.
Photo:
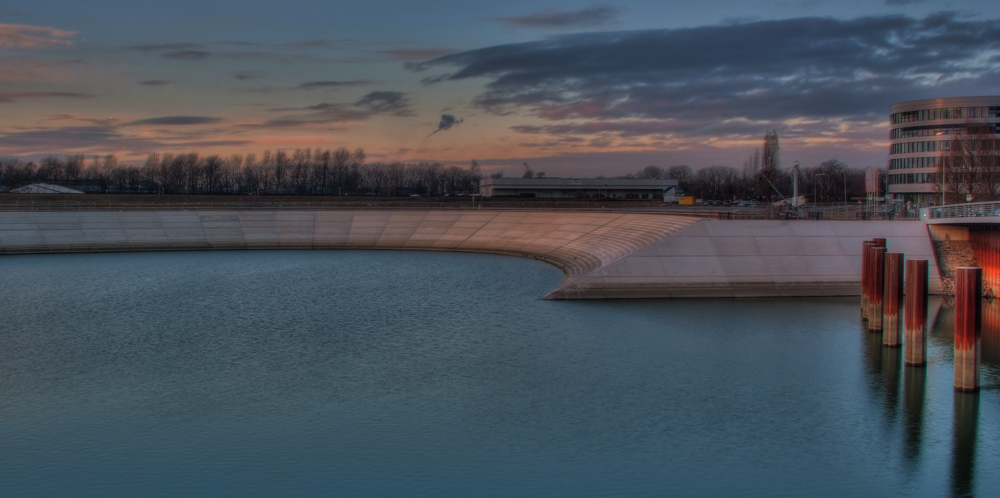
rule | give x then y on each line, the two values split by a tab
968	210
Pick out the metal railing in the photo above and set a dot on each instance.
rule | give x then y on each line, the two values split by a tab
969	210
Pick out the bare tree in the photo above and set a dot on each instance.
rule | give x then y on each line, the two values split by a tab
971	164
751	174
770	163
651	171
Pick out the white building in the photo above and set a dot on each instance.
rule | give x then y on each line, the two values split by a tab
921	133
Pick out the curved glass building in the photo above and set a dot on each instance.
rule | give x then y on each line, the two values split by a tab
920	136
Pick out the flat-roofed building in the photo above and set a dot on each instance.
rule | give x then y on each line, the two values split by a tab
579	188
921	134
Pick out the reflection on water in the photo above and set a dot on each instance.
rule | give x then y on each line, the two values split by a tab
400	374
883	369
963	463
914	388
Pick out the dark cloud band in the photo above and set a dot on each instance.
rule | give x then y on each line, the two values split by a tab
763	70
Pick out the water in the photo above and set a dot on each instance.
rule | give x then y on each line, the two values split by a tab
429	374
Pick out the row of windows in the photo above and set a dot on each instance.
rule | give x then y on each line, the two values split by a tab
913	162
926	131
908	147
946	113
910	178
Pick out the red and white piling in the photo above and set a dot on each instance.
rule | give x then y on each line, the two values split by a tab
876	263
892	301
968	327
915	342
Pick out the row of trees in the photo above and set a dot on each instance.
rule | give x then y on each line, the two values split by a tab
761	177
971	169
830	180
303	172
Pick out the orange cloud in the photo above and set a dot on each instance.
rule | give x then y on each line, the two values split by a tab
24	36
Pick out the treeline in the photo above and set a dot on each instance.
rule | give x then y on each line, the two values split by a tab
763	178
827	180
303	172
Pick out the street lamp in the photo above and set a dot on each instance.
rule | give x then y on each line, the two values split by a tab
845	189
815	187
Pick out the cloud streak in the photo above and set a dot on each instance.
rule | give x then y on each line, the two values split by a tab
321	85
416	54
24	36
175	121
593	15
156	83
11	97
384	103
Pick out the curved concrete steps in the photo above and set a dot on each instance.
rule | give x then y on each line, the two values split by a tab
575	242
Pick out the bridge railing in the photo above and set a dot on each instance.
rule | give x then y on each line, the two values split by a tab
969	210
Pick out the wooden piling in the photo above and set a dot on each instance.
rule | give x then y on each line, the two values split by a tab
968	327
892	301
915	342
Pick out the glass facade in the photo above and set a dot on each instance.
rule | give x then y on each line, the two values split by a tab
941	118
946	113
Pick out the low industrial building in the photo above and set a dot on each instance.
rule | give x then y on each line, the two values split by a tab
580	188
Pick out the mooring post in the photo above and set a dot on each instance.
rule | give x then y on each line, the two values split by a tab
865	277
892	300
968	327
876	255
915	345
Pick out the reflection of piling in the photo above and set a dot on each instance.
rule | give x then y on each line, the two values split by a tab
968	327
876	260
914	387
865	277
915	347
892	300
963	450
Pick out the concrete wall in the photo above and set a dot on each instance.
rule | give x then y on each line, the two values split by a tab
752	259
604	255
577	243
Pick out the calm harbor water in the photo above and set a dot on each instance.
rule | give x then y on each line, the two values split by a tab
348	373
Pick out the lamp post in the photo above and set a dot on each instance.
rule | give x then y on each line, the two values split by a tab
815	187
845	189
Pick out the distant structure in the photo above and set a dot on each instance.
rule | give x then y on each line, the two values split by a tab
921	133
580	188
44	188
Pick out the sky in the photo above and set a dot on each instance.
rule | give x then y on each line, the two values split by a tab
572	88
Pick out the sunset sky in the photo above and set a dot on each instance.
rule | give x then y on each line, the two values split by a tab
573	88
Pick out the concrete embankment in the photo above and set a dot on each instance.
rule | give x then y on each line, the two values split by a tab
604	255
